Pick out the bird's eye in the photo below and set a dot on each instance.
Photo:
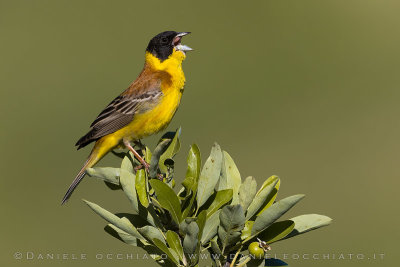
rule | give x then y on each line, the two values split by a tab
164	40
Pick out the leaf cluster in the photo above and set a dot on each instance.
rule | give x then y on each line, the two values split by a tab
214	211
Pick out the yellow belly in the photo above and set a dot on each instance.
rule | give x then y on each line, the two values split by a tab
154	120
145	124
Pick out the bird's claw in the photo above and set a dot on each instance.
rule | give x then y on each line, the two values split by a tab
140	166
147	167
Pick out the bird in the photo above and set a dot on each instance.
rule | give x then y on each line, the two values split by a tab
146	107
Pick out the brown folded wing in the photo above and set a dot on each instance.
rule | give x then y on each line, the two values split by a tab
141	96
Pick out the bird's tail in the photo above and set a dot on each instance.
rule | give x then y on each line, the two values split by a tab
99	150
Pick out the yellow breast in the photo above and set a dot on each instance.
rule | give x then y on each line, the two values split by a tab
159	117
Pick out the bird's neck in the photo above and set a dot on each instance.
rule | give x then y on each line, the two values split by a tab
170	65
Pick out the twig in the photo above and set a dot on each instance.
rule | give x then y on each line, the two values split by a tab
236	255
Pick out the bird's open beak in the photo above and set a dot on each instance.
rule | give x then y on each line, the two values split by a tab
177	42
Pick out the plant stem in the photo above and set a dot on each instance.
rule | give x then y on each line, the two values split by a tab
197	210
236	255
206	248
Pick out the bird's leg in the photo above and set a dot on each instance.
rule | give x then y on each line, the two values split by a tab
141	160
140	146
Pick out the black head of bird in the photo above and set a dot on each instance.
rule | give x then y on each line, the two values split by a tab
162	45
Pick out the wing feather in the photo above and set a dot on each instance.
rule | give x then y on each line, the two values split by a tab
121	111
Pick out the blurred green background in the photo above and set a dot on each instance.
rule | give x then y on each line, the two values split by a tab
306	90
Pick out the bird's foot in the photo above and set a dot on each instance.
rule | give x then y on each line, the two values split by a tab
146	167
141	166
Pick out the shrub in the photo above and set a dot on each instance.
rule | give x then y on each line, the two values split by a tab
214	211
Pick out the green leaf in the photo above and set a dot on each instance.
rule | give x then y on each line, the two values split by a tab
209	175
246	232
155	158
214	245
147	155
247	192
201	222
261	196
121	235
230	177
273	213
106	174
222	197
172	149
270	198
189	185
127	164
276	231
210	228
185	224
141	187
165	249
174	242
190	242
127	180
215	248
112	186
232	221
191	181
267	182
168	199
121	223
189	209
193	162
151	232
308	222
128	183
137	220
